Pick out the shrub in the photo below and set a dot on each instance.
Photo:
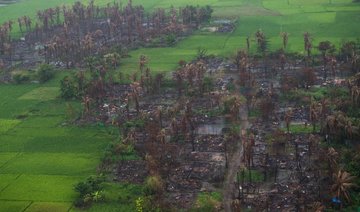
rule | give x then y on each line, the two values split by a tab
89	191
20	78
45	72
68	90
154	185
170	39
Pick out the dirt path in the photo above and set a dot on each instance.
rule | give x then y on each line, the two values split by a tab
234	165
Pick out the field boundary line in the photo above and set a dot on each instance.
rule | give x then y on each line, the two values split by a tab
230	34
28	206
8	161
10	183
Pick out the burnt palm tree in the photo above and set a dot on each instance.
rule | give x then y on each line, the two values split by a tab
262	47
112	59
142	63
282	60
20	21
159	115
333	64
285	39
348	128
307	43
248	43
313	115
235	105
287	119
326	47
317	207
343	182
86	102
135	94
355	94
332	157
161	136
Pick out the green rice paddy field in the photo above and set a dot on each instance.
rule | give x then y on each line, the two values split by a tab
41	158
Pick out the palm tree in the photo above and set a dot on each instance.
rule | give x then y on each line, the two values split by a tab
87	44
348	128
236	103
332	157
313	115
333	64
285	39
135	93
307	43
355	94
343	182
20	21
161	136
317	207
86	101
313	143
323	111
282	59
112	59
174	129
158	114
326	47
248	43
179	78
262	43
287	119
142	63
237	60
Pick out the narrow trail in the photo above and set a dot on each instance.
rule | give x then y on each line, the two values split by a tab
234	164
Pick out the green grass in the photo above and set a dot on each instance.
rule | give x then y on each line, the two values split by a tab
254	113
68	164
256	176
9	106
41	93
303	95
48	207
6	179
13	206
333	22
6	125
207	201
118	197
300	128
40	158
46	188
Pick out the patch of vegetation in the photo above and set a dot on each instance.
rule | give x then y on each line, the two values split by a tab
6	124
244	175
41	93
208	201
304	95
20	77
45	72
254	113
209	113
117	196
153	185
89	191
301	128
118	151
